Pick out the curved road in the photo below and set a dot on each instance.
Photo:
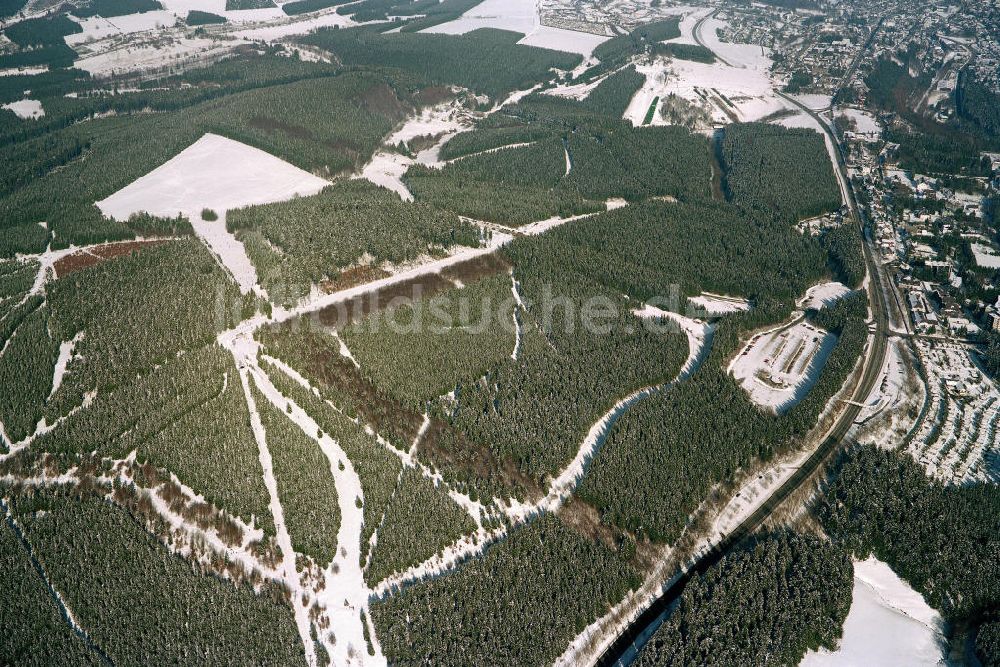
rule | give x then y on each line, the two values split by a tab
624	648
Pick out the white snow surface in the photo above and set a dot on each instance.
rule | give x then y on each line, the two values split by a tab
560	39
778	368
216	173
515	15
297	25
65	356
24	71
149	53
26	108
520	16
986	256
387	166
229	250
97	27
182	7
219	174
814	101
717	305
824	294
889	624
866	123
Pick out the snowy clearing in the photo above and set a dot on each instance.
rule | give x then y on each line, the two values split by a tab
814	101
889	624
822	295
26	108
778	368
864	121
218	7
520	16
514	15
561	39
717	305
737	87
148	52
216	173
229	250
65	356
97	28
24	71
297	25
387	166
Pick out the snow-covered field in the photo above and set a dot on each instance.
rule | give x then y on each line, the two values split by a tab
717	305
216	173
737	87
824	294
514	15
148	52
26	108
814	101
520	16
147	41
97	27
778	368
865	122
295	25
560	39
889	624
182	7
